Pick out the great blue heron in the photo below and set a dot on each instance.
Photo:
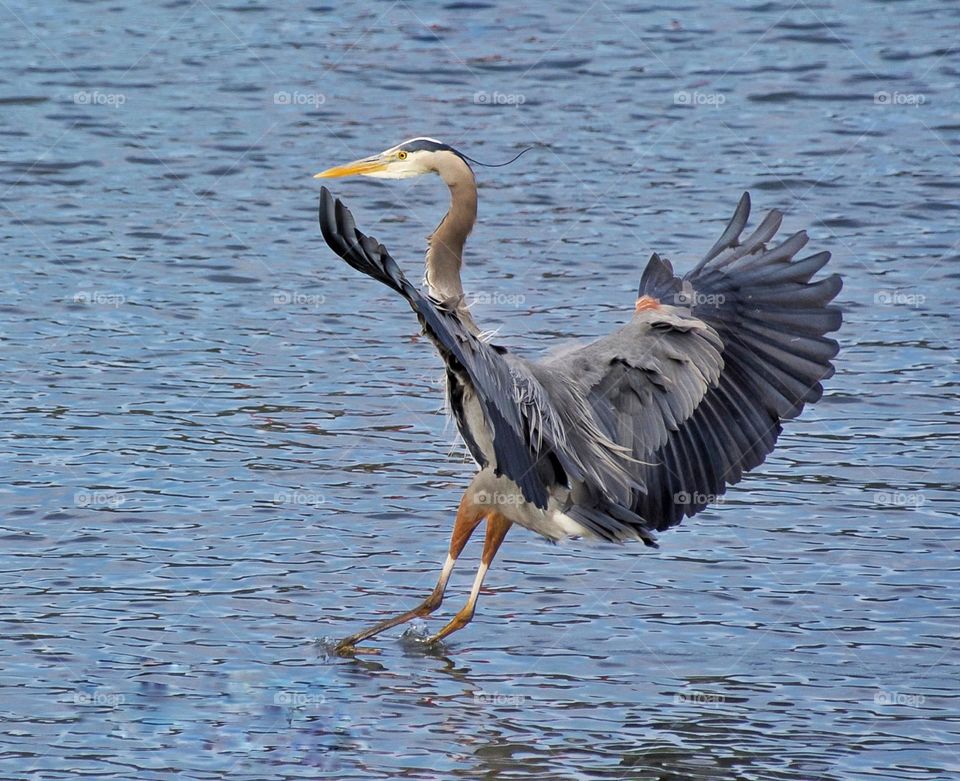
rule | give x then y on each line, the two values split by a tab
622	437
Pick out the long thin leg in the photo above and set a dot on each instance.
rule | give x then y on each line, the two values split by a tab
497	528
468	518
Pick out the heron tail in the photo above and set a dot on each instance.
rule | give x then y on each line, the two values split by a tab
658	280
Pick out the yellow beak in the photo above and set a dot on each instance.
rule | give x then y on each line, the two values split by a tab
368	165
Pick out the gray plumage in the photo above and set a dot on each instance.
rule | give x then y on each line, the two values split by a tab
627	435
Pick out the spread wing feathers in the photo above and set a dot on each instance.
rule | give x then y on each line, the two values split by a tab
640	383
519	410
646	378
772	322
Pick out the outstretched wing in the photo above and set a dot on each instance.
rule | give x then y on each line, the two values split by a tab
653	422
647	377
523	422
772	322
495	386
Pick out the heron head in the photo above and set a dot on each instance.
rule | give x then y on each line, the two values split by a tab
415	157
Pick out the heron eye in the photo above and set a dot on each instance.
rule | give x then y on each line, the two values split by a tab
401	155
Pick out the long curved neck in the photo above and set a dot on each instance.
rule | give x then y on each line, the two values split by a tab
445	245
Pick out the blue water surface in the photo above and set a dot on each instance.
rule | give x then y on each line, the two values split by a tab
223	446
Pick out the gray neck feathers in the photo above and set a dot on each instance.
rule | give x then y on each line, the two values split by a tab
445	244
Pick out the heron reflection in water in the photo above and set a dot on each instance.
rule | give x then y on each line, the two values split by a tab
624	437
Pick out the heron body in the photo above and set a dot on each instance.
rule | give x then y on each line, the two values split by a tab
623	437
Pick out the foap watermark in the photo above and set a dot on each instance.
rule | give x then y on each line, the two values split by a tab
687	296
498	699
498	298
85	498
299	498
909	499
884	697
696	497
297	98
98	298
698	698
696	98
899	298
298	298
98	98
98	699
884	98
496	498
499	98
297	699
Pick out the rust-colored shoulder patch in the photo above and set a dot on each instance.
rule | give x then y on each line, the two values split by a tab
647	302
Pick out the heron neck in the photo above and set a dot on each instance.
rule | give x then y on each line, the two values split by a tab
445	245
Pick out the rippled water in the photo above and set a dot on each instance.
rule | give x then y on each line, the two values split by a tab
221	445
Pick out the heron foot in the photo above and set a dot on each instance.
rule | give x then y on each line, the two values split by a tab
347	648
459	621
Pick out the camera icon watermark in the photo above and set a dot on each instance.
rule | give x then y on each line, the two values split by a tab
696	497
696	98
298	298
98	298
298	699
98	98
497	499
497	298
899	298
98	699
884	98
705	699
884	697
97	499
299	498
498	699
297	98
499	98
687	296
908	499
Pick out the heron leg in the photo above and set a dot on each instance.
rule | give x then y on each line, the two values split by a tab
469	516
497	528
